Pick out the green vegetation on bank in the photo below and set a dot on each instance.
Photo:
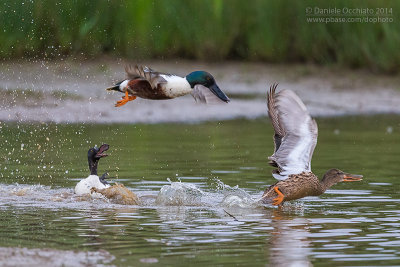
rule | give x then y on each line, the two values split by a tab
260	30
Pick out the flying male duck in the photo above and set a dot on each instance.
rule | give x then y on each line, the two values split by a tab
295	139
146	83
93	180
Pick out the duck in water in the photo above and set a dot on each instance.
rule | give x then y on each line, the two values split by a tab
98	186
93	180
146	83
295	139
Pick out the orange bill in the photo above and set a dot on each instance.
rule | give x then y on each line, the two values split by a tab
352	177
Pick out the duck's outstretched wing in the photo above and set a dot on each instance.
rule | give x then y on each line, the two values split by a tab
146	73
295	135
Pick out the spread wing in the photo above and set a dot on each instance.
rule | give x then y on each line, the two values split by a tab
295	135
204	95
145	73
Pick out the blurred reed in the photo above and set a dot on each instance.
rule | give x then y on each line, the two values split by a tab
257	30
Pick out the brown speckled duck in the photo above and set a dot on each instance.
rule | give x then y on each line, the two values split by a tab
118	194
295	139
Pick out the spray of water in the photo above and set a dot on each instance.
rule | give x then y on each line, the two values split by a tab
179	194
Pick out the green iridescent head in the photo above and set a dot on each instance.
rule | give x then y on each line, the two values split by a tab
206	79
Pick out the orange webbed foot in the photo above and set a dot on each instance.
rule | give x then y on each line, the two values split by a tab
125	99
278	200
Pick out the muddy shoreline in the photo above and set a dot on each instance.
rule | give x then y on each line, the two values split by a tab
72	91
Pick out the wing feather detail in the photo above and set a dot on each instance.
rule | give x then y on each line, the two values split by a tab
295	135
145	73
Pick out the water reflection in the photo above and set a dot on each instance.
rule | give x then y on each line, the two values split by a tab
289	244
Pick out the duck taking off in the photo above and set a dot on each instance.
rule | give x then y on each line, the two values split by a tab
295	139
146	83
93	180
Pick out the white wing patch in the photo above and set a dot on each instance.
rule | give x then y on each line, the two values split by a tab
298	160
302	148
123	85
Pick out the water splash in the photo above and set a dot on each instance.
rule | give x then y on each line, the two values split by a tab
23	195
235	197
174	194
179	194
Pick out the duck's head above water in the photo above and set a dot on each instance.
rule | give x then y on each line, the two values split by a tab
94	155
334	176
206	79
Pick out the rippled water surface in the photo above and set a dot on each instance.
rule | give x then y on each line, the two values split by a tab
199	185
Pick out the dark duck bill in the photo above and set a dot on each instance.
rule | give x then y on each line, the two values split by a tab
216	91
100	153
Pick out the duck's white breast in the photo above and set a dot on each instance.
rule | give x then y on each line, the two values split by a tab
176	86
84	185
